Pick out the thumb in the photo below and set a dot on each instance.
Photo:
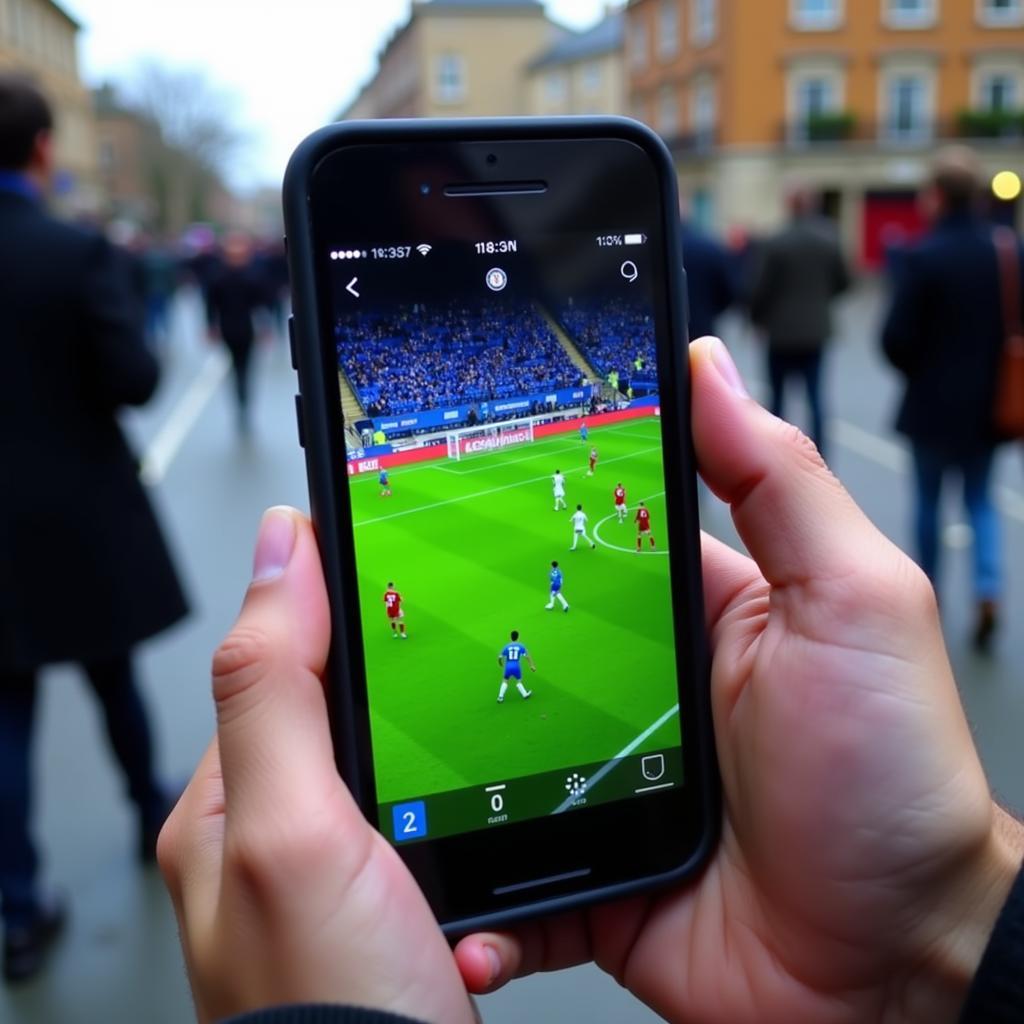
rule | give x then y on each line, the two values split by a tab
796	519
275	746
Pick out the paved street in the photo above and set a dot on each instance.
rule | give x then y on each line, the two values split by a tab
120	961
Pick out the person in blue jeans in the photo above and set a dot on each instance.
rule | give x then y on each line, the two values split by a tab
944	332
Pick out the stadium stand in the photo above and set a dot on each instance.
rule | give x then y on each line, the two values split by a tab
416	359
612	336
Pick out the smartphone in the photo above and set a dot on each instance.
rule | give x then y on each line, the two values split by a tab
489	333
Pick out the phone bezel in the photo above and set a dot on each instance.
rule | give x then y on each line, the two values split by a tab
458	873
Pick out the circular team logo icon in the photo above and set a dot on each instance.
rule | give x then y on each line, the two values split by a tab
496	279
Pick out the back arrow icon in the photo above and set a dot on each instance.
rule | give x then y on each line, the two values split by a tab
350	287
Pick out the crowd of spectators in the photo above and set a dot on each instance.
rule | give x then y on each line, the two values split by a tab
614	336
417	357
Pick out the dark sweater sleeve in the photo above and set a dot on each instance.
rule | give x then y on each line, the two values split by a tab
997	993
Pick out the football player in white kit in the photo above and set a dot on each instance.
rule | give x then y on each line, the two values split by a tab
558	485
579	528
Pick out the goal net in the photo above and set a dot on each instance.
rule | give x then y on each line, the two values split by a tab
489	438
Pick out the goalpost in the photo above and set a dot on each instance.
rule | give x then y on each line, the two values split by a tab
488	438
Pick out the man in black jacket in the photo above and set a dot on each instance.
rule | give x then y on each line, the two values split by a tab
944	333
84	572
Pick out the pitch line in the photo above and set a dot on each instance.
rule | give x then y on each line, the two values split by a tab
492	490
163	449
615	547
617	759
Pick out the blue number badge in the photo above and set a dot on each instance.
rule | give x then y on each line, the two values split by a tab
410	820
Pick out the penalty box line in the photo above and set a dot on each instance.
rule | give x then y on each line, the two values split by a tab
628	749
491	490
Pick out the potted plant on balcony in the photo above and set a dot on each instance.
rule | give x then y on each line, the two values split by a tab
834	126
991	124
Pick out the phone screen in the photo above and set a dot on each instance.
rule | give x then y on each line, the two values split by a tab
500	367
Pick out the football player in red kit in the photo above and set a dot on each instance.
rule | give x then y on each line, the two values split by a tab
643	526
393	607
620	502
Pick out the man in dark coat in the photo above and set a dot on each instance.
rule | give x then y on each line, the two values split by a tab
944	333
799	272
84	572
710	279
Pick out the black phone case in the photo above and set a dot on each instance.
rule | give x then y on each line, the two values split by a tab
325	479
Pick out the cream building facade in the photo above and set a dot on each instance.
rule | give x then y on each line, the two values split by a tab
582	73
457	58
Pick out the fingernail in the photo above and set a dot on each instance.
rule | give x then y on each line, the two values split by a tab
727	368
495	964
274	545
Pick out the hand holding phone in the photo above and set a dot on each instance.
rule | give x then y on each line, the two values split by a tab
861	868
837	758
283	892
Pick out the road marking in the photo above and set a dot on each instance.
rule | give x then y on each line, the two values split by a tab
629	551
492	490
163	449
617	759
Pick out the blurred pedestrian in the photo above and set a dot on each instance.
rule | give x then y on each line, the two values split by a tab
273	264
160	282
84	571
798	273
944	333
710	279
235	295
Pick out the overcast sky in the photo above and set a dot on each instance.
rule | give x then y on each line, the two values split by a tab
290	65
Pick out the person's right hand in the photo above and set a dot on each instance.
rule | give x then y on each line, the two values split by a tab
859	872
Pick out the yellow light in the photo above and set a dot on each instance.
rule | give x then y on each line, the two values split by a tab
1006	185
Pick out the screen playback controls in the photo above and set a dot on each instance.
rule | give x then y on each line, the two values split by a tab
568	789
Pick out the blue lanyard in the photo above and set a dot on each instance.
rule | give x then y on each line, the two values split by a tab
12	181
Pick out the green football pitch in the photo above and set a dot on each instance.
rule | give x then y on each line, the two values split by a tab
469	546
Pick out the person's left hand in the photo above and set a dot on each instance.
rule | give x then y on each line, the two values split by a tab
284	893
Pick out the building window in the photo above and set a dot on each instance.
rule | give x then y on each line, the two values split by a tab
668	111
907	108
668	29
638	44
704	112
451	78
556	88
909	13
999	92
703	21
108	157
815	15
1000	13
592	77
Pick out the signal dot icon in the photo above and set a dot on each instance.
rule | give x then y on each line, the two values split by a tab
423	249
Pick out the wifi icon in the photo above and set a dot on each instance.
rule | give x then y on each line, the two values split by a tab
423	249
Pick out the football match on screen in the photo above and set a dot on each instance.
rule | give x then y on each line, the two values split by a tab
508	499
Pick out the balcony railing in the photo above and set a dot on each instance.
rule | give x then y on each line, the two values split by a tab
845	128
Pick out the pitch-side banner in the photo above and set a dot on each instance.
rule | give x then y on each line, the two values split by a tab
490	442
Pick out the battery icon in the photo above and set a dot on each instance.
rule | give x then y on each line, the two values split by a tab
637	239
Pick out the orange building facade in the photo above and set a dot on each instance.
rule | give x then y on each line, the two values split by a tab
853	96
